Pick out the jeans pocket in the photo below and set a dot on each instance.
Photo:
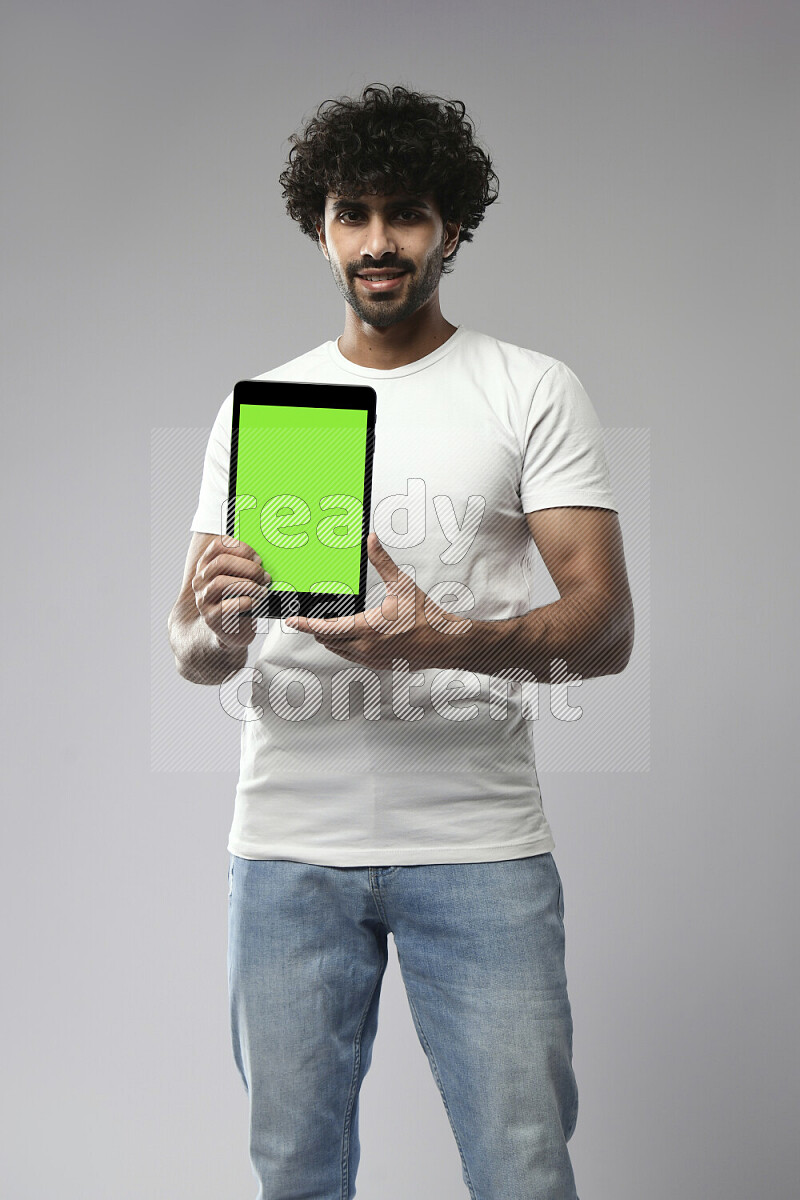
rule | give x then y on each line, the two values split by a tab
230	875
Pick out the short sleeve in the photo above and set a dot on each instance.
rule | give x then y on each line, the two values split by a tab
210	516
563	461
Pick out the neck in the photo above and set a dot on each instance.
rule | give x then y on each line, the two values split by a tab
396	345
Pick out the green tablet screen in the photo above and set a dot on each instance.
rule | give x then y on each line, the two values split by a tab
302	473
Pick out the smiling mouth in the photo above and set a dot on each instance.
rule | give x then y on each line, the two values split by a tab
380	281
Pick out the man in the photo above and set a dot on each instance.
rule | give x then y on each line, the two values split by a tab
418	811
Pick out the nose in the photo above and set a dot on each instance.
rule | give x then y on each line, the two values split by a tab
378	239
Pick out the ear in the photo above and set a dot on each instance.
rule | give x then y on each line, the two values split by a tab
319	225
451	232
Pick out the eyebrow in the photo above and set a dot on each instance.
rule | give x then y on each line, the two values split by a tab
400	202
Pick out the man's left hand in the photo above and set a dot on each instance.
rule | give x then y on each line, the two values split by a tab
408	624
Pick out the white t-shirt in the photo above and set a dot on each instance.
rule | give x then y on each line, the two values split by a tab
430	766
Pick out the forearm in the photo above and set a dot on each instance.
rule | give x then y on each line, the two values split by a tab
199	655
580	630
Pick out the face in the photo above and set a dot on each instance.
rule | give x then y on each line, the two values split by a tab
386	253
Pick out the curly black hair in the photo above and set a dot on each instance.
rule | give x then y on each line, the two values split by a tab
387	140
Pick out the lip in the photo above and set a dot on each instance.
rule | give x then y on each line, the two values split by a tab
381	285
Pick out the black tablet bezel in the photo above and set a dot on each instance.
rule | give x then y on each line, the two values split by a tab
291	394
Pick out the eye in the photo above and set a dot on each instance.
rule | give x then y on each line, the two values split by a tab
348	216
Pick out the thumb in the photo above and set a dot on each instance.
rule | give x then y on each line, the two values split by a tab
383	562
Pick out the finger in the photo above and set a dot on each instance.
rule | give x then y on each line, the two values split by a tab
383	562
225	545
228	565
383	619
232	545
299	623
236	615
396	613
223	587
324	627
232	586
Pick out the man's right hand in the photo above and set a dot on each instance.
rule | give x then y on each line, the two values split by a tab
227	581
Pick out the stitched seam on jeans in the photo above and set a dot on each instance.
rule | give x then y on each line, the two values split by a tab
377	900
354	1091
438	1078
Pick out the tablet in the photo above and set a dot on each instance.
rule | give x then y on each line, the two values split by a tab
299	491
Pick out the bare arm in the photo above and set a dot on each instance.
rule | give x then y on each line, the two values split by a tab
208	642
590	628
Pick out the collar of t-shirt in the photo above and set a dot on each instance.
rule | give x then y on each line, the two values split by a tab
419	364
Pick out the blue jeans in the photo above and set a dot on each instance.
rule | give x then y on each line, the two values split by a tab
481	952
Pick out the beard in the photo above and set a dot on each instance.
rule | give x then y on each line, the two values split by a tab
381	311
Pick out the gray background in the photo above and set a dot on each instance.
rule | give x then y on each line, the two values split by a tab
646	234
